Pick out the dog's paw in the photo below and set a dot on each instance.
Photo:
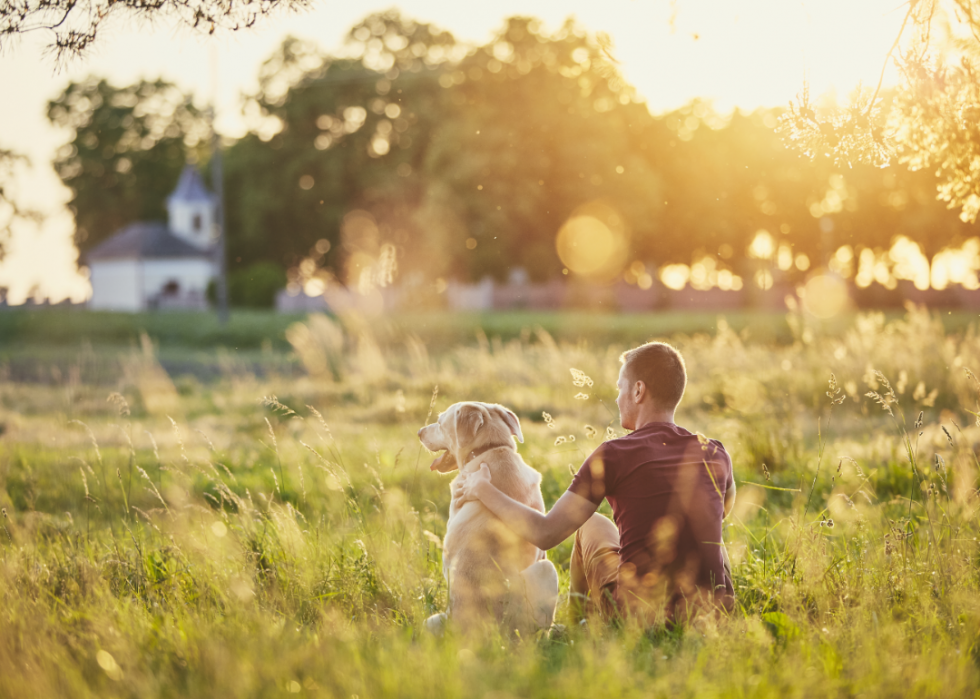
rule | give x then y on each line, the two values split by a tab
436	624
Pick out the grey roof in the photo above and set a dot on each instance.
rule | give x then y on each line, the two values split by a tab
190	186
142	240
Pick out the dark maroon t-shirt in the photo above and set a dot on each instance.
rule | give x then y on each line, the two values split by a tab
667	490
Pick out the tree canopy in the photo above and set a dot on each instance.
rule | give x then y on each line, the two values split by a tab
930	122
127	149
465	161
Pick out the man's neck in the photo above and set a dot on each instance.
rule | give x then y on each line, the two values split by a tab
650	415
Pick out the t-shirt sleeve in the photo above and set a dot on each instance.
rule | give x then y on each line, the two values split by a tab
592	479
720	464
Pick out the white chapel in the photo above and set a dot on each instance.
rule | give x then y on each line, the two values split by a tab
151	265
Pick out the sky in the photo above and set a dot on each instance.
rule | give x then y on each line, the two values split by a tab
737	53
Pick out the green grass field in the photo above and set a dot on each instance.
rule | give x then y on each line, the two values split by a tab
246	510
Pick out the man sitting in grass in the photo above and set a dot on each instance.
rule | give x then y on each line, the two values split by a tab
669	490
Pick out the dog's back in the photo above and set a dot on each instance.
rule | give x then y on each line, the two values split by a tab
491	571
483	558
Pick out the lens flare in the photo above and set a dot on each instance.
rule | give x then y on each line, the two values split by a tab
825	295
594	242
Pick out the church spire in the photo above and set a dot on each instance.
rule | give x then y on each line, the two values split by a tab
190	209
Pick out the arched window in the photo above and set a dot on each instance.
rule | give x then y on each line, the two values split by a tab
196	223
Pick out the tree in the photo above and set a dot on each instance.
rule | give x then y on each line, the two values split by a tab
73	25
351	134
10	209
127	149
540	125
466	161
931	122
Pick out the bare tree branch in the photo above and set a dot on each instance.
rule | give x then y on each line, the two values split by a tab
74	24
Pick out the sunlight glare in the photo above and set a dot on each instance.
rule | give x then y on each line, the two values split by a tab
594	242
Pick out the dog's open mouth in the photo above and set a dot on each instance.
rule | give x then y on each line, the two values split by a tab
444	463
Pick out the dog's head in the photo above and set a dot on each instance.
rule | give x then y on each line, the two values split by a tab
463	427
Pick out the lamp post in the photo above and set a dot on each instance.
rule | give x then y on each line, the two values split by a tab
218	184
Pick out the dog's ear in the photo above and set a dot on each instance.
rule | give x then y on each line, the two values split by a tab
469	419
510	419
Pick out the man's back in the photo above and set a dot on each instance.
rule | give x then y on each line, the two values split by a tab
666	487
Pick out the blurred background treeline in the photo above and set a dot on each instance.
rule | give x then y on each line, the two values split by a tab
462	162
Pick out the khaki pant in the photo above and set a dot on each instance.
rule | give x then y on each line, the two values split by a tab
594	568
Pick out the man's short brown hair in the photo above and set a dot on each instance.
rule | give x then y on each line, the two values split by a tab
661	368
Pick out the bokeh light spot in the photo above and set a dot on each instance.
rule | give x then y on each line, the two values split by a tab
825	295
593	242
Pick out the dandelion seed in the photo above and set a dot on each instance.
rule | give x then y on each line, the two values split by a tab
581	396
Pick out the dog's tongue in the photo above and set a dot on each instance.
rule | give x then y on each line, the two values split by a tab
438	462
444	463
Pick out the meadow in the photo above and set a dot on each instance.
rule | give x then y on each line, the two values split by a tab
201	511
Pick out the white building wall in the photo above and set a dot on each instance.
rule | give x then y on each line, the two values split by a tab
181	221
115	285
191	275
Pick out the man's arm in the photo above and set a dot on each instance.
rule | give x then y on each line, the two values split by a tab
729	493
543	530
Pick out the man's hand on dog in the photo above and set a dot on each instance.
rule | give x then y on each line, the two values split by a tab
465	487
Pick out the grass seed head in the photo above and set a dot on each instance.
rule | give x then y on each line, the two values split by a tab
580	379
949	437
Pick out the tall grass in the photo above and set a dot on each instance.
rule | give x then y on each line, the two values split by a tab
261	535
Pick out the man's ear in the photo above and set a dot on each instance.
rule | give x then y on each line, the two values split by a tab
640	391
469	419
510	419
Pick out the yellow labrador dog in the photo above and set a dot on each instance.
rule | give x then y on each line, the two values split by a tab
491	572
